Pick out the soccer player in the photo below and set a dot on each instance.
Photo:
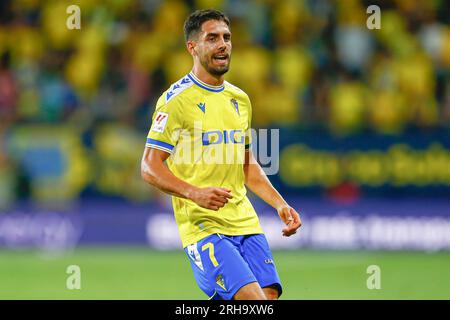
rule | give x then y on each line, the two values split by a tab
200	128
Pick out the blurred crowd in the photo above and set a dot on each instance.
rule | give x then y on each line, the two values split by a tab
311	65
307	64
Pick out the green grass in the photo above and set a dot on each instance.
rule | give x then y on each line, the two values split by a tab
140	273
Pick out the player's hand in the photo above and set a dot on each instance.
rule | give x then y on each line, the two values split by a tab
211	198
291	218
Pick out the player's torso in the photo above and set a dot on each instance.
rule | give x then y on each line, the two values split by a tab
216	111
212	140
210	152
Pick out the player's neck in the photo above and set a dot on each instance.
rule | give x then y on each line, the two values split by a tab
206	77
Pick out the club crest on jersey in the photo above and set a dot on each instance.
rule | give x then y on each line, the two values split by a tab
235	105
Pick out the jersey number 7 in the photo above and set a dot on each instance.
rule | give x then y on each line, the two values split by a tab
210	246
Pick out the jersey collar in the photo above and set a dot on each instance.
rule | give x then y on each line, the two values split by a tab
203	85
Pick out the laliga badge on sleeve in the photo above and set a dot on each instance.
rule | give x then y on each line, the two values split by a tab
160	122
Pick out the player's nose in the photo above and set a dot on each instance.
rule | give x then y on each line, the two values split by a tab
222	44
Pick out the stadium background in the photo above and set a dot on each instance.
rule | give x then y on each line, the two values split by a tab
364	120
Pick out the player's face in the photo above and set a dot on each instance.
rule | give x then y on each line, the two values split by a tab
214	47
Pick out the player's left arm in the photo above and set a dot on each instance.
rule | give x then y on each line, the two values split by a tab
257	181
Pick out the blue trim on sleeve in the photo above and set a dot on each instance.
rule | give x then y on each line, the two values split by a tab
160	144
202	86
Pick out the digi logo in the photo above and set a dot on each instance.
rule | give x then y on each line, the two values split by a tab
225	136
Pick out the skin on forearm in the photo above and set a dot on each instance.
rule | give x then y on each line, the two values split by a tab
157	174
256	180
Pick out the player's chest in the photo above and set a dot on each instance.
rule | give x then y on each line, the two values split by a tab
212	112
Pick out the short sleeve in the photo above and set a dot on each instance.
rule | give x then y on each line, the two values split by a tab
166	126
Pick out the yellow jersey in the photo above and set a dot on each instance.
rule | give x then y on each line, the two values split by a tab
206	130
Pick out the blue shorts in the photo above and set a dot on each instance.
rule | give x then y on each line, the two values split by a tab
223	264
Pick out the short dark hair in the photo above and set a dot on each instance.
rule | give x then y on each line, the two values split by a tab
193	23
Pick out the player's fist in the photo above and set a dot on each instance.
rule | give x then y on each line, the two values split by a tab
210	198
291	218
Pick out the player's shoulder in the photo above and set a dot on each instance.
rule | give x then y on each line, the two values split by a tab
236	90
175	93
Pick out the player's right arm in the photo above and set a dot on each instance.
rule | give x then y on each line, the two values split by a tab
156	173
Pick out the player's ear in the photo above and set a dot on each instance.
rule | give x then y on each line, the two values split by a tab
190	45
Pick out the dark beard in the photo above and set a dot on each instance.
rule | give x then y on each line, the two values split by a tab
217	72
214	71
